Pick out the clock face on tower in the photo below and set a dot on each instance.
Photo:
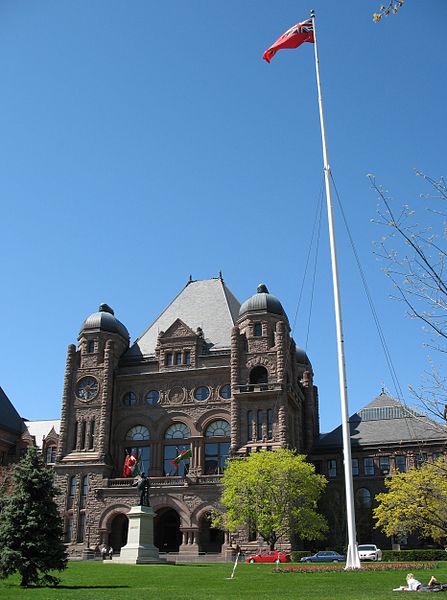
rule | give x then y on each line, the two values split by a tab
87	388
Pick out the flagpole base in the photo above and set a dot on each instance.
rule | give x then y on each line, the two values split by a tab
352	558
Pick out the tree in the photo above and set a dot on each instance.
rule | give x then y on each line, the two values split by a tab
30	526
415	502
416	260
274	493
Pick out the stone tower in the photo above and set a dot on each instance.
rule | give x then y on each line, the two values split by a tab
84	458
274	401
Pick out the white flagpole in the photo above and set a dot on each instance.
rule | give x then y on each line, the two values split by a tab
352	558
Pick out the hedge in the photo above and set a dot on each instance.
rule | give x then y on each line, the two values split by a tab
413	555
297	555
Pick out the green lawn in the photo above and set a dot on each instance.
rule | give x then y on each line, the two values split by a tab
96	581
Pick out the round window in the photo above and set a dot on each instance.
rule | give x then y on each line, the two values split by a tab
202	393
152	397
225	391
130	399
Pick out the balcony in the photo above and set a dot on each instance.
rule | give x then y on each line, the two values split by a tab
257	387
168	481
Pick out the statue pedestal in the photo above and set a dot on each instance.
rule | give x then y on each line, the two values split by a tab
140	547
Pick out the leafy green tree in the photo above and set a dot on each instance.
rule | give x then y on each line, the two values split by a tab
274	493
30	526
415	502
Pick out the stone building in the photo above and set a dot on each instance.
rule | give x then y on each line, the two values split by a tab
208	375
386	436
12	432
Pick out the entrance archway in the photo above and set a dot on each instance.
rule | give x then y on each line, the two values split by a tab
167	535
118	532
210	538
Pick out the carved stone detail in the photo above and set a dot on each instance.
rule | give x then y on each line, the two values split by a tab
176	395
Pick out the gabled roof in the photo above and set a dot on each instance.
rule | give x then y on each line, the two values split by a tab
207	304
40	429
385	421
9	417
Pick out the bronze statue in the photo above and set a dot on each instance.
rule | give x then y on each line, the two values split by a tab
142	485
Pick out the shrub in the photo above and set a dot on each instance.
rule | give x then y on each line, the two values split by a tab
413	555
297	555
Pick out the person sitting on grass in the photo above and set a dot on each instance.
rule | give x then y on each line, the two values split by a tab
413	585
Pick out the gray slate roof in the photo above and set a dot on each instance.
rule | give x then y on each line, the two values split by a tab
208	304
9	417
40	429
385	421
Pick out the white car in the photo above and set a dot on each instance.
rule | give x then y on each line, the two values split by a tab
369	552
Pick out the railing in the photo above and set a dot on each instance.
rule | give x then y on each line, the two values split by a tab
168	481
204	479
258	387
122	482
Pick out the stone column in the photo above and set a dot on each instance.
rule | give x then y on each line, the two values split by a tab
190	538
234	409
66	397
107	388
280	353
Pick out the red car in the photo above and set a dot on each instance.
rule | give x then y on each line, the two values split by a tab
268	556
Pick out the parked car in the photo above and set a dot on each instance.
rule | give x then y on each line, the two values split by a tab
369	552
268	556
324	556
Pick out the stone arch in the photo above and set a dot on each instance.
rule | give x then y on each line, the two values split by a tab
259	375
125	424
110	513
171	517
160	501
210	416
210	539
175	417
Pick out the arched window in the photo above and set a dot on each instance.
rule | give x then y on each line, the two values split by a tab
219	428
364	498
92	434
216	452
84	491
176	457
71	492
50	456
138	433
81	528
68	528
177	431
259	375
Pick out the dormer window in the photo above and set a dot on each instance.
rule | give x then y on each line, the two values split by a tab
187	357
168	359
178	358
257	329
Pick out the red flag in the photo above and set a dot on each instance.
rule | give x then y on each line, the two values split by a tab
129	464
294	37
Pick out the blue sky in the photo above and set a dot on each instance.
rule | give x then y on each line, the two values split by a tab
143	141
